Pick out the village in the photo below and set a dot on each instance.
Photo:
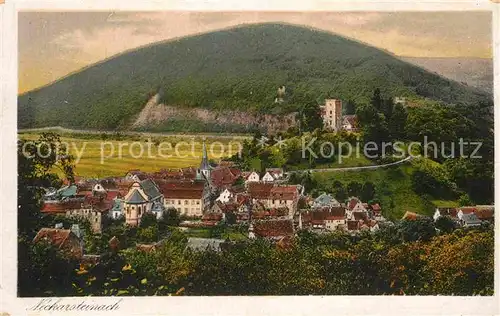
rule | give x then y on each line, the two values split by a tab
209	195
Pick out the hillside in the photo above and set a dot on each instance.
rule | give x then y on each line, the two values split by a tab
238	69
475	72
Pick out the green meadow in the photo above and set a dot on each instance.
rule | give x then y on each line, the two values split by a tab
101	158
393	189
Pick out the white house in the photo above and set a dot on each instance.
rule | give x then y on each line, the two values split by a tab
252	177
268	177
333	222
226	196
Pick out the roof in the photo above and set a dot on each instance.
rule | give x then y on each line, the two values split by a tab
360	215
212	217
108	184
410	216
136	198
273	228
484	213
61	207
183	189
375	207
452	212
352	225
468	209
353	202
471	219
325	199
201	244
150	188
56	236
224	176
351	119
205	165
68	191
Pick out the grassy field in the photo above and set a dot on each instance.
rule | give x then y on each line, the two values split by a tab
101	158
231	233
393	189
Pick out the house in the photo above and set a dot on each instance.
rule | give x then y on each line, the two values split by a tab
276	173
445	211
410	216
268	177
376	210
350	123
400	100
325	200
226	196
485	213
273	229
116	210
272	196
223	177
469	220
251	176
190	198
329	218
211	219
139	200
105	186
331	113
93	209
65	240
135	175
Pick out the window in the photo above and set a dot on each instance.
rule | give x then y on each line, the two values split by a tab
186	202
179	202
198	202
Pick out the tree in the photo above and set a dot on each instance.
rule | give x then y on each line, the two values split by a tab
350	107
421	228
465	200
368	191
445	224
148	219
35	171
339	191
354	188
310	117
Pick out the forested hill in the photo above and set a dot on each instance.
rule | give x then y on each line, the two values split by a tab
236	69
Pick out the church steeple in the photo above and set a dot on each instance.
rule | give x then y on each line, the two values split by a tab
205	165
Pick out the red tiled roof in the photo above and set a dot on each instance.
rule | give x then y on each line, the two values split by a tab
468	210
484	213
359	215
334	218
352	203
182	189
212	217
273	228
375	207
452	212
60	238
259	190
352	119
224	176
61	207
410	216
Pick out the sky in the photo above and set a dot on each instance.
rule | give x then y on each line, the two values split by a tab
54	44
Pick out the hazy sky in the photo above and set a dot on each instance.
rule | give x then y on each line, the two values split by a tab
52	45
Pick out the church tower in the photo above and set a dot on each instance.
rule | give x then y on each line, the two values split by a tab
205	165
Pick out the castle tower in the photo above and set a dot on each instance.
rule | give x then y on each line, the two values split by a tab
332	114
